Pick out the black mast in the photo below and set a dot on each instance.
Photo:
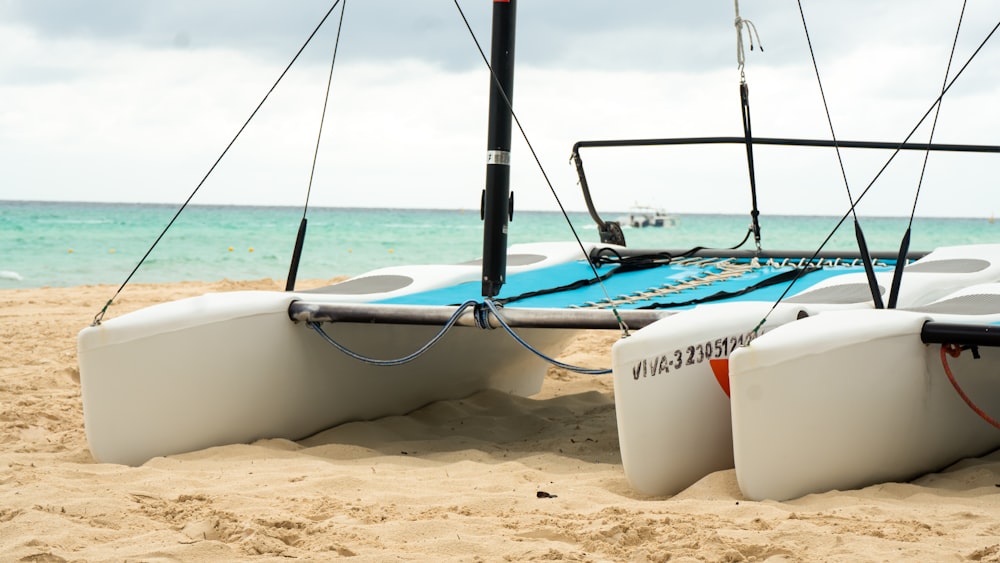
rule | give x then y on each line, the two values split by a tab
497	203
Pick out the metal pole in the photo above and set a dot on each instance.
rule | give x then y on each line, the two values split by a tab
497	206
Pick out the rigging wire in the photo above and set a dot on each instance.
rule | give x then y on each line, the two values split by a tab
326	101
888	161
826	109
748	136
937	112
920	121
293	269
751	31
904	245
859	235
100	315
538	162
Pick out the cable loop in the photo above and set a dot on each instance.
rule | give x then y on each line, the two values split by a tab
495	309
398	361
481	313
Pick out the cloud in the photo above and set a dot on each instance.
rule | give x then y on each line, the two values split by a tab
582	33
115	100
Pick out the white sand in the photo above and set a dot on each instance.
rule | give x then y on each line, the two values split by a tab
455	480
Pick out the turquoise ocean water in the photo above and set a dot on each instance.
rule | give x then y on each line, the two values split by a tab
68	244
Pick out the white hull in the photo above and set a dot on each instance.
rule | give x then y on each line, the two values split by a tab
672	411
674	422
849	399
241	376
232	367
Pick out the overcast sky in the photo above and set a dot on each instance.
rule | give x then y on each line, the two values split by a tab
133	100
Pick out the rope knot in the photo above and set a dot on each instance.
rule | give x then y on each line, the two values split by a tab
953	350
751	32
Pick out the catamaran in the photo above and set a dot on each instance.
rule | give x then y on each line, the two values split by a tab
234	367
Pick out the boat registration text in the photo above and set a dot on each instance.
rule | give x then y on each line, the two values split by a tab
690	355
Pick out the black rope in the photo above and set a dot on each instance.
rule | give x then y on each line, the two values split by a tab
621	264
293	269
858	233
746	237
624	265
585	282
754	212
100	315
635	263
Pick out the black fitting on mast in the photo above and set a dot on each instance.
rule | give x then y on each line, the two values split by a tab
748	135
496	202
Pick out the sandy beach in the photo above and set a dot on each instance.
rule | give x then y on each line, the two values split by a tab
487	478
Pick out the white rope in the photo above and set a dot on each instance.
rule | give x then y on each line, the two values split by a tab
751	34
726	269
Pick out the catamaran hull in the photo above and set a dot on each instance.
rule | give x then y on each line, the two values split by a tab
849	399
671	378
672	406
232	368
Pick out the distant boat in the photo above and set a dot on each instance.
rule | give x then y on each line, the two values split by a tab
646	216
